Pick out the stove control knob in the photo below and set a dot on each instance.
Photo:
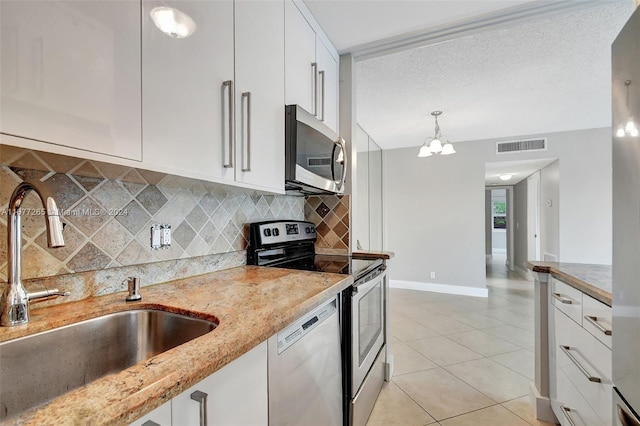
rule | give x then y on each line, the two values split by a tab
276	232
307	230
267	232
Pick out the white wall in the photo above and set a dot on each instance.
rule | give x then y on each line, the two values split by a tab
550	211
435	206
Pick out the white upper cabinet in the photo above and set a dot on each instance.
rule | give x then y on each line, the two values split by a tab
300	59
311	67
187	86
327	86
259	94
70	74
213	105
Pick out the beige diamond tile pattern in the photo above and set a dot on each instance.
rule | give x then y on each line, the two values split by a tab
330	215
207	218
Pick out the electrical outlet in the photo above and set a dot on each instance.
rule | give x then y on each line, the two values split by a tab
432	275
165	236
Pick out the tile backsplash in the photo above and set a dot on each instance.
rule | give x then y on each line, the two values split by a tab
109	209
330	213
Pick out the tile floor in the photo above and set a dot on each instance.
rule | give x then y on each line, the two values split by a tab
461	360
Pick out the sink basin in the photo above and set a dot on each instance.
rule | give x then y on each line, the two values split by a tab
40	367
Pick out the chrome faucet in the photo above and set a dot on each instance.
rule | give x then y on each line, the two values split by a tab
14	304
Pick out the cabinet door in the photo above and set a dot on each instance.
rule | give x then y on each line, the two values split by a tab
236	394
70	74
259	59
186	125
327	86
300	54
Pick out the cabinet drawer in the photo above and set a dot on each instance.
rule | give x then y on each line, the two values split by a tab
567	299
597	319
586	363
570	407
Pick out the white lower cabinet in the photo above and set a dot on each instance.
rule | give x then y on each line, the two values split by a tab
233	395
580	372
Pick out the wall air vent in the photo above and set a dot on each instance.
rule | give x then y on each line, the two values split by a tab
319	162
521	146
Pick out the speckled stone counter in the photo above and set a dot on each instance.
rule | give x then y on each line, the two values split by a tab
367	254
594	280
250	303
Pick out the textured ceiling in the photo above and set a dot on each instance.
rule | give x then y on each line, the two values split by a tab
540	76
350	23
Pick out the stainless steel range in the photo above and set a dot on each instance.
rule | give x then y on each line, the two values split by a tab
290	244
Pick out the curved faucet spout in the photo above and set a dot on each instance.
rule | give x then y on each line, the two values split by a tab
14	308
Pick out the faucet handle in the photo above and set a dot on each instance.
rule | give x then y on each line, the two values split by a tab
44	294
133	285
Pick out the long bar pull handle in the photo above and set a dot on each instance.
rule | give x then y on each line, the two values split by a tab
321	73
562	299
201	398
229	164
566	350
566	411
248	96
594	320
314	69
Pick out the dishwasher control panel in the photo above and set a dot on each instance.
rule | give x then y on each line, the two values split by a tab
297	330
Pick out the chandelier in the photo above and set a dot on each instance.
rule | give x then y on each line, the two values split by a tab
434	145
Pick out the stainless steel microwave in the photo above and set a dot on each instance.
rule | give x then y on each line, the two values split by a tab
315	156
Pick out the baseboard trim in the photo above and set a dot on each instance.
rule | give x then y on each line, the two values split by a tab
541	405
524	273
440	288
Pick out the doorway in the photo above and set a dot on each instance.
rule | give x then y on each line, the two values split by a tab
498	233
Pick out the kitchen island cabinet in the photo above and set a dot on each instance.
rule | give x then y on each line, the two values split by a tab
573	377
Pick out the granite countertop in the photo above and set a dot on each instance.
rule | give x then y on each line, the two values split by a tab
250	303
368	254
594	280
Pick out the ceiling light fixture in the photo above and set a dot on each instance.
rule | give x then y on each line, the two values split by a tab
435	146
505	176
173	22
630	128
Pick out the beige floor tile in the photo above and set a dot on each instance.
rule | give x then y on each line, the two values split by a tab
483	343
443	351
478	320
407	360
516	335
441	394
444	324
521	361
492	379
394	407
522	407
405	329
492	416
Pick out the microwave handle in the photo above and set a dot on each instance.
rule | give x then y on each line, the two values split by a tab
340	143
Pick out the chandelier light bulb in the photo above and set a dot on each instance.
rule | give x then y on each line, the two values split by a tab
447	149
436	146
634	132
620	132
630	125
424	151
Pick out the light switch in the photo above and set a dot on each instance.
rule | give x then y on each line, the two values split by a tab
155	237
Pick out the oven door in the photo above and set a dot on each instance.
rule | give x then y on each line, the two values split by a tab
315	157
367	327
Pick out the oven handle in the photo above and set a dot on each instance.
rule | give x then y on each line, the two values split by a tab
368	280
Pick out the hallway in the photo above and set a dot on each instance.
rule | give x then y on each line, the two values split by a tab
461	360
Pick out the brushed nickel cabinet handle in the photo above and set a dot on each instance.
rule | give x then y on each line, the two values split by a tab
150	423
566	411
247	95
562	299
566	350
314	69
229	164
321	73
594	320
201	398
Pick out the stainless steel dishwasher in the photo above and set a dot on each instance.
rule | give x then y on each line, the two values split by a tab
305	377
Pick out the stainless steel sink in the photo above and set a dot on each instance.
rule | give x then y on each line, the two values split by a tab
40	367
